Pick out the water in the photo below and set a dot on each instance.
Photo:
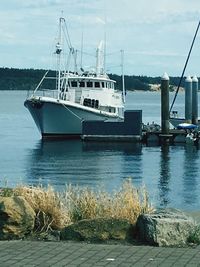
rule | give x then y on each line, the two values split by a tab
171	174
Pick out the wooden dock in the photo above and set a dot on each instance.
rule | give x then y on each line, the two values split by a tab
174	136
112	138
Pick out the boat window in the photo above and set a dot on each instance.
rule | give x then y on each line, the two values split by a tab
93	103
96	103
74	83
103	85
82	84
89	84
87	102
97	84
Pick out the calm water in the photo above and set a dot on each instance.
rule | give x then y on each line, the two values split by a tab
171	174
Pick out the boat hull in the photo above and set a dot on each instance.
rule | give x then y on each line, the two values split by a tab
56	120
176	121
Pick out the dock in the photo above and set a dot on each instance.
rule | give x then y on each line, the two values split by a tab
131	129
127	130
112	138
173	137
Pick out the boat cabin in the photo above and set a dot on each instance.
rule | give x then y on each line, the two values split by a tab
91	91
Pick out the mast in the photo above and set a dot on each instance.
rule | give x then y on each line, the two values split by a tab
183	72
81	51
122	70
58	53
75	61
104	58
105	38
99	59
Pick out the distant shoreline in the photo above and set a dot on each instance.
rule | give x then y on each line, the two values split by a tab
28	79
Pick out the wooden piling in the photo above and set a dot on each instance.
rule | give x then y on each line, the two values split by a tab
165	104
188	100
194	100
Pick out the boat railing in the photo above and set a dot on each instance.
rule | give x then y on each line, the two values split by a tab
44	92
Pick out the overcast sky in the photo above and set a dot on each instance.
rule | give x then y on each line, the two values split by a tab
155	35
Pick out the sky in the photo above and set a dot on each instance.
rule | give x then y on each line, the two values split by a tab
155	35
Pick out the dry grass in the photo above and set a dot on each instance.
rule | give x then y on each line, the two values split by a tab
126	203
55	210
50	214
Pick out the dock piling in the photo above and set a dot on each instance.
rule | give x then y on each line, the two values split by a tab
165	104
195	100
188	99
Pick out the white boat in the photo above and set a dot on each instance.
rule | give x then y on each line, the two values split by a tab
78	96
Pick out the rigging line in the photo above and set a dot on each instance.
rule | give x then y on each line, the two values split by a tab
92	55
72	112
184	67
71	49
67	40
88	54
112	53
65	30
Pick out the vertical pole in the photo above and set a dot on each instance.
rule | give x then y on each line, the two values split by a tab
58	52
195	100
188	100
122	70
165	104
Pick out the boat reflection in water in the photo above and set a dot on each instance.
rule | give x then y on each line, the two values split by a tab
170	173
93	163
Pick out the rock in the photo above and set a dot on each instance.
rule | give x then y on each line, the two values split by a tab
16	217
100	229
166	227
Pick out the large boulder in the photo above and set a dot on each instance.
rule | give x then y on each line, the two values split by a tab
100	229
166	227
16	217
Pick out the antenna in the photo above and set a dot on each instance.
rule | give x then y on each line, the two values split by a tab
58	52
105	36
82	50
82	29
122	69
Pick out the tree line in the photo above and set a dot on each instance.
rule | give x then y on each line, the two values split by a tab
28	79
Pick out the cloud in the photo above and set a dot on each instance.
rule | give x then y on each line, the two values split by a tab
39	3
99	20
159	32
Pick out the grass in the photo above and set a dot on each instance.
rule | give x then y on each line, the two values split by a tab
194	236
126	203
50	213
55	210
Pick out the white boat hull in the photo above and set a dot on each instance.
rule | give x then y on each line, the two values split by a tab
55	119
